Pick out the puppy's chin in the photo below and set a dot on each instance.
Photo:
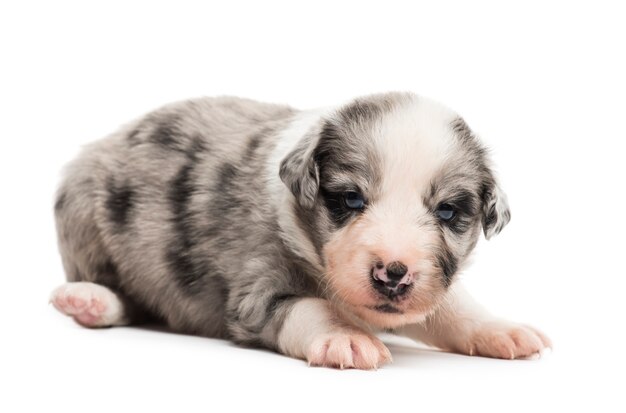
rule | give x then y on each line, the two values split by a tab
387	316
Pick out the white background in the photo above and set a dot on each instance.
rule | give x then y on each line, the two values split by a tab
542	83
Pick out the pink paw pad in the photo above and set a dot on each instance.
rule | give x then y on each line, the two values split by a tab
87	303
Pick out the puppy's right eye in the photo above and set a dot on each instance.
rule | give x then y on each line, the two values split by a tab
353	200
445	212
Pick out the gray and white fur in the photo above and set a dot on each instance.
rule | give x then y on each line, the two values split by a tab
305	232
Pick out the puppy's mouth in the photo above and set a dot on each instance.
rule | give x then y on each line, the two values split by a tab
390	295
391	291
386	308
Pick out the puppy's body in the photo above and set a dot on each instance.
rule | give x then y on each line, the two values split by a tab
303	232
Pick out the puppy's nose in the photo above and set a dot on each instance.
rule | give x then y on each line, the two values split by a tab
396	270
392	279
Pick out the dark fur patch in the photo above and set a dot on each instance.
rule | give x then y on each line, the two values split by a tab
233	190
308	220
329	145
187	269
387	308
462	130
490	217
466	206
226	175
448	263
166	133
181	190
339	213
465	202
107	274
277	299
196	147
476	153
220	285
254	143
334	155
119	202
227	199
366	110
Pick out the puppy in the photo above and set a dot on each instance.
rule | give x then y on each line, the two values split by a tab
305	232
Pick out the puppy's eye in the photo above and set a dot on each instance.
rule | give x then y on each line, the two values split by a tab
445	212
353	200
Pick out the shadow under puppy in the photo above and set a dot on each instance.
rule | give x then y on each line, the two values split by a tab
300	231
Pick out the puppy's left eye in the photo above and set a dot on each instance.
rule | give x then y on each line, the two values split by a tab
445	212
353	200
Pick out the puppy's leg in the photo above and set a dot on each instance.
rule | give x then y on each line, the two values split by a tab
91	305
463	326
313	332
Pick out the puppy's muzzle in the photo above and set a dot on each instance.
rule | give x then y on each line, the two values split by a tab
392	280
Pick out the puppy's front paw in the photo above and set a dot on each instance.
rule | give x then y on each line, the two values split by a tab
506	341
347	349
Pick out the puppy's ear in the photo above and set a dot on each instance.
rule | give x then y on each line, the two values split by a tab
299	171
496	212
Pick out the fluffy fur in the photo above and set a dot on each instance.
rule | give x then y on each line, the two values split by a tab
229	218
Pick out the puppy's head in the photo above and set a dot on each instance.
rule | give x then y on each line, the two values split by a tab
393	191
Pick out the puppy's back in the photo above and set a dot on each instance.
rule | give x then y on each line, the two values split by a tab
149	210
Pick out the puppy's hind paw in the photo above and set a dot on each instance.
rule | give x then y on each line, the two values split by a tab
347	349
91	305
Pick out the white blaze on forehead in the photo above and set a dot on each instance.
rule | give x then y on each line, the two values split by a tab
414	140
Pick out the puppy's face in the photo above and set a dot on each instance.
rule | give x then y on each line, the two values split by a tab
393	191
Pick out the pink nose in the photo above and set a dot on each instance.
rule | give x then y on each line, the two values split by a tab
392	279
